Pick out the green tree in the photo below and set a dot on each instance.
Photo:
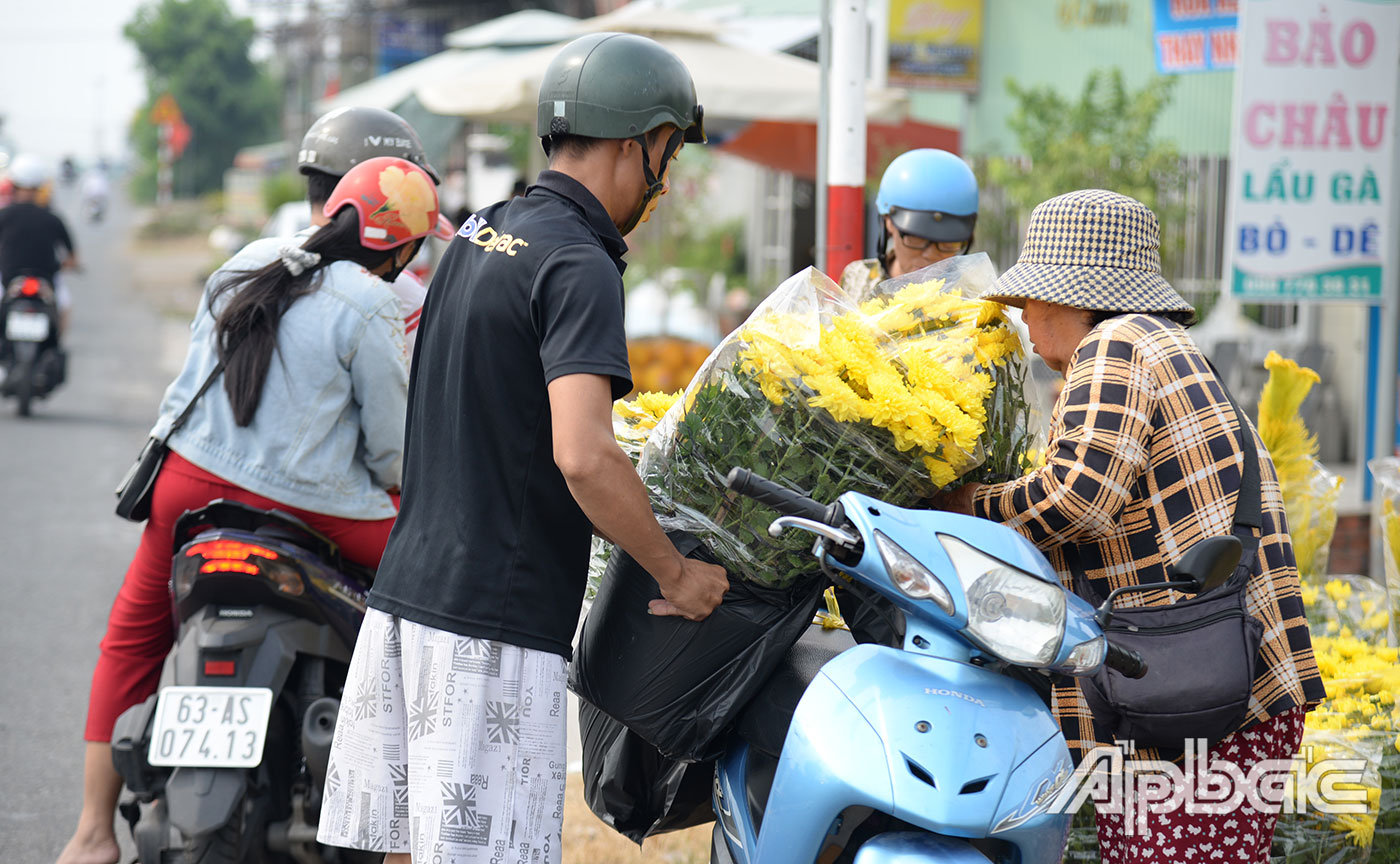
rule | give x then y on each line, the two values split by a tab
1101	140
197	51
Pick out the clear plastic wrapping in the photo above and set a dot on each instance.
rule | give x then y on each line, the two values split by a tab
1385	518
897	393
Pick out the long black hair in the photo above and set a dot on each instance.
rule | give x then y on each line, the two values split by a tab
246	326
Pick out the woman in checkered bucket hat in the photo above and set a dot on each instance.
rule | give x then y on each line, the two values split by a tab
1146	456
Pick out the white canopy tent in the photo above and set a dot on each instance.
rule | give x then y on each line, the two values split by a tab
732	82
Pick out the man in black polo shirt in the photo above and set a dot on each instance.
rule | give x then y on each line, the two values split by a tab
451	739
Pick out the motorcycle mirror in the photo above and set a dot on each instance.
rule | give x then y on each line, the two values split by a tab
1208	564
1205	567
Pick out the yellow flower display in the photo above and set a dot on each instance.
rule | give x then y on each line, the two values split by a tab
896	394
1309	490
633	419
1359	719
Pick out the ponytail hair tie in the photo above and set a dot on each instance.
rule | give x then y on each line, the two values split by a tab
297	259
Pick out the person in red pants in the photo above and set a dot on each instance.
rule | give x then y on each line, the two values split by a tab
306	414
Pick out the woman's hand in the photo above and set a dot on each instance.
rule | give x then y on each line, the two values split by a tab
958	500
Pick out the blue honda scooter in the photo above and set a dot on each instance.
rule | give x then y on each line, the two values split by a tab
934	747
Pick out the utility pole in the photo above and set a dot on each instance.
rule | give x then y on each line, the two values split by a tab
845	136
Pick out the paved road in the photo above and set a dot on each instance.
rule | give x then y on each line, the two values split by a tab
62	551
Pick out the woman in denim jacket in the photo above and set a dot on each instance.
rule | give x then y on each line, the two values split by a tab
309	419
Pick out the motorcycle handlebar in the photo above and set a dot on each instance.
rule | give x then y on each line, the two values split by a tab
1126	661
780	498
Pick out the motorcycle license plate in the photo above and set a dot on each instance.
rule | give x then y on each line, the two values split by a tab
26	327
210	727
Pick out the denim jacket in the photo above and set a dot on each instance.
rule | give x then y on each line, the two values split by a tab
328	433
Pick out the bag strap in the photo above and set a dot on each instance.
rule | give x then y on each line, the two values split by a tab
1248	510
189	407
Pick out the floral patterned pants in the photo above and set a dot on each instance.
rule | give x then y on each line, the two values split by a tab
1239	835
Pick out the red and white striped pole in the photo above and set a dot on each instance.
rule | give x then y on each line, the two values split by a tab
845	137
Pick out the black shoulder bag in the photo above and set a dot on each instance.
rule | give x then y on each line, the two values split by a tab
1201	652
135	491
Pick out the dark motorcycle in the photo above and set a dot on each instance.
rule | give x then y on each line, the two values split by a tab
30	357
227	762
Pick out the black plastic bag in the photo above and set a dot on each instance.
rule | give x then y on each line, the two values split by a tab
633	788
676	683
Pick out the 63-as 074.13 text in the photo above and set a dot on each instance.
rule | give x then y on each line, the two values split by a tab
210	727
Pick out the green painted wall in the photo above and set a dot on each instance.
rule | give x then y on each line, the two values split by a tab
1050	42
1056	43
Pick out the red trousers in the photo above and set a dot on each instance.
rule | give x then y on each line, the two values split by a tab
140	629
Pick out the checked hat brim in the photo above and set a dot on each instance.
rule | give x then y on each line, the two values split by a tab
1096	288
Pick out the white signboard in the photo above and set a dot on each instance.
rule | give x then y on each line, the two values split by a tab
1312	158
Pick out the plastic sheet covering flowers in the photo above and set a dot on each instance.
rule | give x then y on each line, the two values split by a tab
1359	720
1385	516
1309	491
896	393
632	420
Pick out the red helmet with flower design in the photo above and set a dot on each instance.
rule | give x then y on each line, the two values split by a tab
396	201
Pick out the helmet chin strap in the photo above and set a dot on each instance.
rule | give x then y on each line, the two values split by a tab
394	270
654	184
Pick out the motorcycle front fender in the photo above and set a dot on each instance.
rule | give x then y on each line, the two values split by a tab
201	800
906	847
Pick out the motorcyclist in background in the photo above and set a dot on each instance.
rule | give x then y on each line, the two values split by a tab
32	235
95	192
927	205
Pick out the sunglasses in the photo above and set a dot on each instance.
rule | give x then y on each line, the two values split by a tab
919	244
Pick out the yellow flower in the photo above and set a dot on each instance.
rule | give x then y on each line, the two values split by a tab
1360	828
1338	590
410	195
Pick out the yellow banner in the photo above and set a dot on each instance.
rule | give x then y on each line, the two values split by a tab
935	44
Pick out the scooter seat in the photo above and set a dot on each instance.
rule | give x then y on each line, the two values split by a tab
764	721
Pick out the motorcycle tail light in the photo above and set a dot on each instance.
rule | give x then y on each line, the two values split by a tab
30	287
229	567
229	550
235	556
219	668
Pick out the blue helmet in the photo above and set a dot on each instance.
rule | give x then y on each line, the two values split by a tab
931	194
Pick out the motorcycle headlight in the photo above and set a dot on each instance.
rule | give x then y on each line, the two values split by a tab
1009	612
911	577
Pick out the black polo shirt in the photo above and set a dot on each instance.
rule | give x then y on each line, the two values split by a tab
489	542
29	238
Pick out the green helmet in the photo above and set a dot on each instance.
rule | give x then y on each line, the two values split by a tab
617	85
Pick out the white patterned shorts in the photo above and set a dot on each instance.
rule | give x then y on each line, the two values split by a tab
447	747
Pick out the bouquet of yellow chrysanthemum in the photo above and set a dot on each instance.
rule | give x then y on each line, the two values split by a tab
896	394
1309	491
1358	721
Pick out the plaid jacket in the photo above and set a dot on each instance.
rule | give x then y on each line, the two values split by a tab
1144	459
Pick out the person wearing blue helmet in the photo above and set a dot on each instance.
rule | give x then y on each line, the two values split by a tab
927	205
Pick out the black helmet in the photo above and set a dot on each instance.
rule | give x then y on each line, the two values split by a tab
345	137
617	85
